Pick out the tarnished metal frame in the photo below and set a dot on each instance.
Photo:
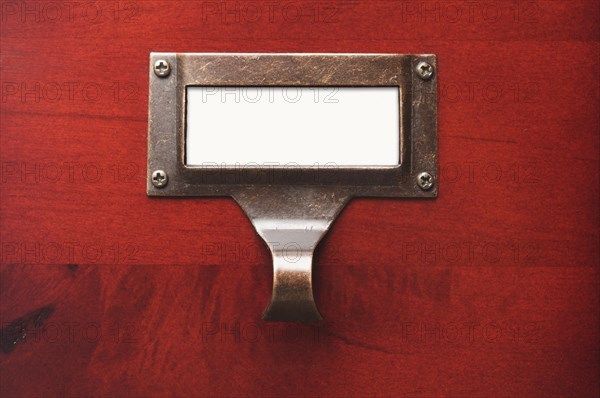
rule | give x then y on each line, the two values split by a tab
293	205
167	106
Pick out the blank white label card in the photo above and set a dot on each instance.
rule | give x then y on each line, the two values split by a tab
300	126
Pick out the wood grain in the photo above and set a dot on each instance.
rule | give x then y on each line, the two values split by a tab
490	290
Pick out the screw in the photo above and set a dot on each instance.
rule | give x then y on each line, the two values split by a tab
425	181
424	70
162	68
159	178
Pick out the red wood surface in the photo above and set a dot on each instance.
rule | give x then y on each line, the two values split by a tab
490	290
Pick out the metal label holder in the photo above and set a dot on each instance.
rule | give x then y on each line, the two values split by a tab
292	205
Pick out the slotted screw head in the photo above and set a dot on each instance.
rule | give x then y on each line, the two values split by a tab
424	70
159	178
425	181
162	68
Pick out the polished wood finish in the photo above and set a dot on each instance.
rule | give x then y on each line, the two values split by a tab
491	289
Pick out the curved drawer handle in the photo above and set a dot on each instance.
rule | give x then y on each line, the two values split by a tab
292	221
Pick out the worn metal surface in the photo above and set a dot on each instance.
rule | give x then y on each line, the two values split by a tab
292	208
292	221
